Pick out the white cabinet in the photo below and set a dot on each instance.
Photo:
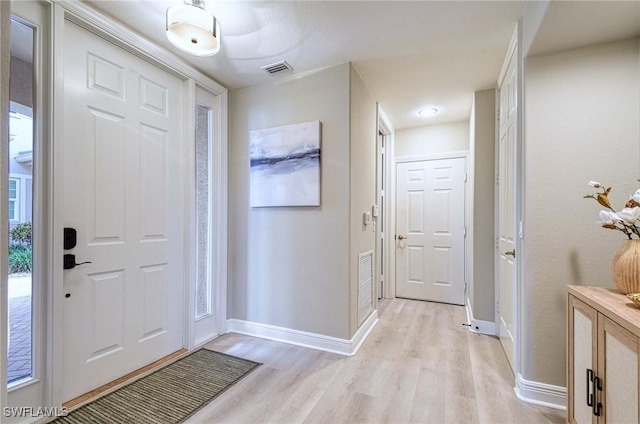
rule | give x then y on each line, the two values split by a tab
602	368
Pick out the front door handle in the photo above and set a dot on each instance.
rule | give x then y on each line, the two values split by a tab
401	237
511	253
70	261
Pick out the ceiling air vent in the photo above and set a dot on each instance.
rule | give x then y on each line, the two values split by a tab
277	68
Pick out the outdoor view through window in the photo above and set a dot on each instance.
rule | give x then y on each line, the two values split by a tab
21	130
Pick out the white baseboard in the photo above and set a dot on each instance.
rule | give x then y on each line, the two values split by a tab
541	394
478	326
302	338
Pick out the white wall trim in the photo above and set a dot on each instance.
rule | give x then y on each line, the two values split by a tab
542	394
385	125
221	182
386	128
479	326
305	339
189	199
513	45
435	156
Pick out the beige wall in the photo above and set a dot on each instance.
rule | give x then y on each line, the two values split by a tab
297	267
363	181
581	123
481	238
289	267
432	139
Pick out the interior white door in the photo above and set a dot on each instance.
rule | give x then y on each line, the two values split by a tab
430	230
507	212
123	193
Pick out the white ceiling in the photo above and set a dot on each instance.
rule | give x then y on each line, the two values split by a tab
409	54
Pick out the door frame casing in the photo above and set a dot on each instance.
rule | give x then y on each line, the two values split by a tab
218	217
389	283
34	392
467	219
4	170
80	14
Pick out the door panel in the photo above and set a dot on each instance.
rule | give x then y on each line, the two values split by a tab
583	322
430	261
507	212
618	368
123	184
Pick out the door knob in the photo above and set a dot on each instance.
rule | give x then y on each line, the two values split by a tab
70	262
511	253
401	237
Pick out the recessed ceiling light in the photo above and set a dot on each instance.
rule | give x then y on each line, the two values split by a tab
428	111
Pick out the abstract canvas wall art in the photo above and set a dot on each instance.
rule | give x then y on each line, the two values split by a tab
285	165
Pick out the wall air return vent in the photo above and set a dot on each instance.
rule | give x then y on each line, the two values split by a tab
277	68
365	286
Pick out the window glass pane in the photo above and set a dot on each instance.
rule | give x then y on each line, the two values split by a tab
13	189
203	283
21	156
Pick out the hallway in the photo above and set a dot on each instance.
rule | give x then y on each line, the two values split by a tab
419	364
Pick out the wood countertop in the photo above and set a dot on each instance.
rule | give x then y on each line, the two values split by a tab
610	302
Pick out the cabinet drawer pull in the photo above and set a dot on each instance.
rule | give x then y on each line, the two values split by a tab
589	381
597	387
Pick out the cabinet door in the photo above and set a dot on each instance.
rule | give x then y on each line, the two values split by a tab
618	369
582	353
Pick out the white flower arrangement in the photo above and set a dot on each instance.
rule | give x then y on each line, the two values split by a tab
626	220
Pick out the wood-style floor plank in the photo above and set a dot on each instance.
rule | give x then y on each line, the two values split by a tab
419	365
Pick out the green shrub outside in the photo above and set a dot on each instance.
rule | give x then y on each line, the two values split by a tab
20	258
22	233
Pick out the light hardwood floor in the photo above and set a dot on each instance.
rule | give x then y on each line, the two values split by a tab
418	365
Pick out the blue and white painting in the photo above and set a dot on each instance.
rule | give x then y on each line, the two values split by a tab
285	165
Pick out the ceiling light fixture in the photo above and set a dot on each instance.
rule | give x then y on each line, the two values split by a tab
192	29
428	111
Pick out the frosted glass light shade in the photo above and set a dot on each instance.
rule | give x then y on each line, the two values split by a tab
193	30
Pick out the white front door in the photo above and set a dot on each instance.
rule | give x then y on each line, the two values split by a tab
123	192
507	212
430	230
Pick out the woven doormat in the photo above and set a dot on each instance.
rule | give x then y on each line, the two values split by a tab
170	395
